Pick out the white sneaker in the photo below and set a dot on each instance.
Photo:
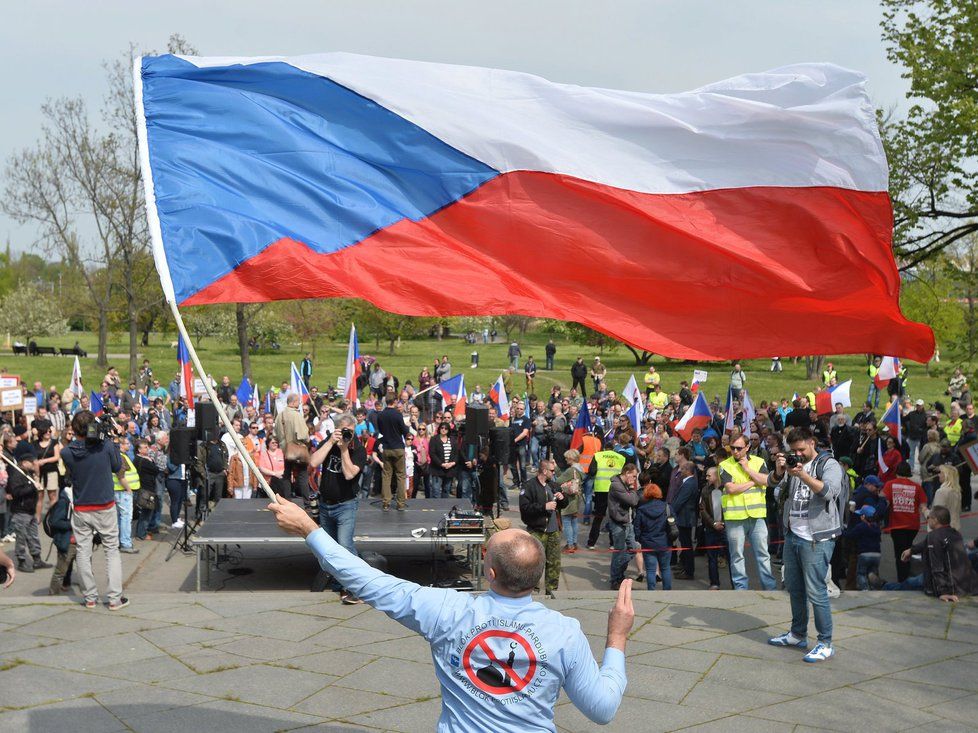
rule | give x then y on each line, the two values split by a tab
177	524
788	639
9	538
834	591
819	653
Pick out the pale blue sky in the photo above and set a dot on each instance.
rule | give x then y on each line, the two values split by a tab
52	49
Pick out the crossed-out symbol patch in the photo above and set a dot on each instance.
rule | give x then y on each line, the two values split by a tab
499	662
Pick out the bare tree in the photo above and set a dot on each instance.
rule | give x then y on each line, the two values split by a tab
61	183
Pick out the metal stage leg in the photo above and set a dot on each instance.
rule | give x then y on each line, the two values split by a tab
197	550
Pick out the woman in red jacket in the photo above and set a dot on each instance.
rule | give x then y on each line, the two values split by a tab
891	459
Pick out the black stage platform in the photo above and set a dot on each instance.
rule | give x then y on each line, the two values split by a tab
248	522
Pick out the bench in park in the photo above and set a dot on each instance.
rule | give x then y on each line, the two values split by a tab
35	350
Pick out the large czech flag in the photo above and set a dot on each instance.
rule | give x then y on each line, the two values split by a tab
826	399
277	178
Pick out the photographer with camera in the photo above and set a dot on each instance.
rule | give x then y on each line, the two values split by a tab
812	490
342	457
93	459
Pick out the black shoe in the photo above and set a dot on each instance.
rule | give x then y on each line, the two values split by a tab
39	564
23	567
640	578
681	575
615	586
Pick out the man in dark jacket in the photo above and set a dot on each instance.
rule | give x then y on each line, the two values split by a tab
915	429
390	425
148	471
843	437
622	498
541	502
22	505
92	464
684	507
947	572
578	375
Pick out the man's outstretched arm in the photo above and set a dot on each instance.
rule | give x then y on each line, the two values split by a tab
410	604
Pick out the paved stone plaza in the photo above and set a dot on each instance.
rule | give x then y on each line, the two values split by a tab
269	661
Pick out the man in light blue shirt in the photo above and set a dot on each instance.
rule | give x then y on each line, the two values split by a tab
501	657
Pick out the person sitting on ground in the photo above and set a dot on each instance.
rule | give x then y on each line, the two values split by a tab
947	574
488	649
865	535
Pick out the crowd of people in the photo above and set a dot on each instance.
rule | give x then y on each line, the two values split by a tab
730	488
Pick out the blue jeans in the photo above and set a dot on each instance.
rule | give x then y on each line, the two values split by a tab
873	395
467	483
621	556
806	564
177	489
535	450
737	533
914	447
570	530
914	582
340	523
866	563
123	508
550	364
656	562
441	487
588	490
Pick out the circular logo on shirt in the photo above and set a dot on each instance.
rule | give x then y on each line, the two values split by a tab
499	662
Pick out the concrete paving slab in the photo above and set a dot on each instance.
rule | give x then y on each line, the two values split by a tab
336	662
394	677
220	715
74	625
342	702
724	699
26	685
844	708
659	683
91	654
914	694
408	718
131	702
258	684
678	658
78	716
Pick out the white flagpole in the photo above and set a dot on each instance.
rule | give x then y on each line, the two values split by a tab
159	254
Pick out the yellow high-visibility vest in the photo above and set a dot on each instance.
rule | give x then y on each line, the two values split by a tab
132	475
953	430
609	465
751	504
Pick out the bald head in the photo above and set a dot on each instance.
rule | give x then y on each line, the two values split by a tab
515	561
292	400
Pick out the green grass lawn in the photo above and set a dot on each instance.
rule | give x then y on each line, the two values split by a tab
220	357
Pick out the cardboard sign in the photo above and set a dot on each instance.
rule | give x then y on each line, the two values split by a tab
341	384
30	405
700	375
11	398
199	386
970	453
9	380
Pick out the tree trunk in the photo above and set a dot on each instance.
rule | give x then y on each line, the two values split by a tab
133	334
813	365
640	359
392	340
147	328
103	336
241	321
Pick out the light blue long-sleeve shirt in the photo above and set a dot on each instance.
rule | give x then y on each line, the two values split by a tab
501	661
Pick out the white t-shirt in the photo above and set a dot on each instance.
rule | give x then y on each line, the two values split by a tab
798	509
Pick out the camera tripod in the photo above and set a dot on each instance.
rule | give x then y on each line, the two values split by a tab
182	542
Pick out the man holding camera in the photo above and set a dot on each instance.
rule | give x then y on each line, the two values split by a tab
812	489
342	457
93	459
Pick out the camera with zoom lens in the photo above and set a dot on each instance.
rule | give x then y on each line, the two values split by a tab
346	434
791	460
98	430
